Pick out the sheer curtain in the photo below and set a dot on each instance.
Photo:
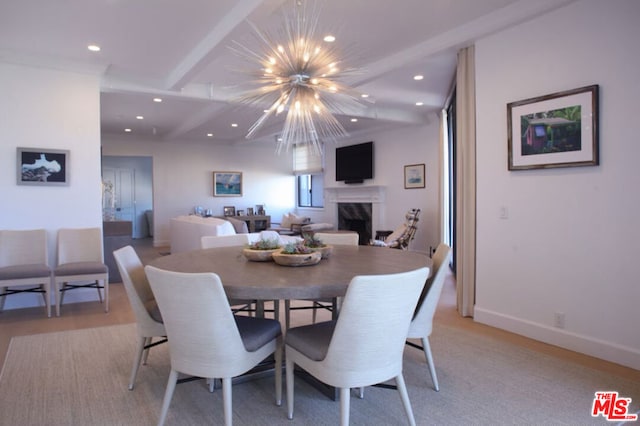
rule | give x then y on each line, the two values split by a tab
465	243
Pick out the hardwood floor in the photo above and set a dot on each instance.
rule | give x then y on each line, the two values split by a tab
20	322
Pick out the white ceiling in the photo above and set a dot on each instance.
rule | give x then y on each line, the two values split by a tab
179	50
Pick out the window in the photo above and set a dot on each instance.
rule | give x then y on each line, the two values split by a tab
307	166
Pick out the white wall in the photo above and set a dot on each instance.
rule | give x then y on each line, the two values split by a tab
44	108
183	177
393	149
571	241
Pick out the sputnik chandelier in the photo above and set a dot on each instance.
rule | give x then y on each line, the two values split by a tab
296	73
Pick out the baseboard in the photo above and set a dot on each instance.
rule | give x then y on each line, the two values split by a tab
161	243
608	351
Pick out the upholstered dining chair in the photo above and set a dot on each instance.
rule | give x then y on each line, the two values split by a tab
205	338
362	347
148	318
332	305
237	305
24	263
422	322
80	259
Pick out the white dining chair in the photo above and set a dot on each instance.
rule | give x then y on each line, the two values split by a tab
364	346
241	240
24	264
422	323
206	339
80	260
332	304
149	322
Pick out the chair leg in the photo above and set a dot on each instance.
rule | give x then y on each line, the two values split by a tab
402	388
142	341
168	394
278	372
345	401
58	296
3	290
276	310
226	398
289	376
432	369
361	392
98	289
145	352
106	294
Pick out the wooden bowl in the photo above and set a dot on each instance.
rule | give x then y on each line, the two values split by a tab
258	255
297	259
325	251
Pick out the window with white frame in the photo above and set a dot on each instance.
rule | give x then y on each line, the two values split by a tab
308	168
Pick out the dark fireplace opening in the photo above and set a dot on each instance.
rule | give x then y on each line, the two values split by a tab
356	217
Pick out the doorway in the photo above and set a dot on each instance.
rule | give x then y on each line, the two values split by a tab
128	192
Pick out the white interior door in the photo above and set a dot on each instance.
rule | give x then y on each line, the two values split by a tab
120	203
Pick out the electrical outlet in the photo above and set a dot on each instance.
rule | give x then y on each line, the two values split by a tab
559	320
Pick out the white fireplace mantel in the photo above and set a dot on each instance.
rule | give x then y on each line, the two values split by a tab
374	194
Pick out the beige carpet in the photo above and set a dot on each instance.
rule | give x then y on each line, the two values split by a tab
80	378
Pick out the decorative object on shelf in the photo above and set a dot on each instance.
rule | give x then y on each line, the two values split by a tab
240	213
557	130
229	211
298	72
296	254
261	250
414	176
227	184
249	211
260	209
42	166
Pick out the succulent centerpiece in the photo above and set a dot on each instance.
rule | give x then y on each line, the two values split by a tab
317	244
296	254
261	250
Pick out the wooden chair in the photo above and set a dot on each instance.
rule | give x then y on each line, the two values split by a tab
80	259
24	262
364	346
149	322
422	322
206	339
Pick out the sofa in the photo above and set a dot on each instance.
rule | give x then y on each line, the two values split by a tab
186	231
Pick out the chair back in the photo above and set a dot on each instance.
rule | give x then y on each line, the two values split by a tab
23	247
135	284
205	341
80	245
344	238
422	321
368	340
212	241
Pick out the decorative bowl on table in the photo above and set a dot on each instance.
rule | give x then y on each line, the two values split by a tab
261	251
316	244
296	255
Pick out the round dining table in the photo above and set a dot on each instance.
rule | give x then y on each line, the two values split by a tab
245	279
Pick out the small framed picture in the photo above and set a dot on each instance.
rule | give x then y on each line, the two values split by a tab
42	166
227	184
414	176
249	211
229	211
240	213
260	209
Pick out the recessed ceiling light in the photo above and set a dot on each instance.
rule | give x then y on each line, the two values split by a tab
209	135
127	130
364	95
354	120
234	124
329	38
157	100
93	47
139	117
418	77
419	103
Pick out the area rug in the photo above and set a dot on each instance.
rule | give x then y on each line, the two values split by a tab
80	378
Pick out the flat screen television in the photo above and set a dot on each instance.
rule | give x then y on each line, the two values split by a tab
354	163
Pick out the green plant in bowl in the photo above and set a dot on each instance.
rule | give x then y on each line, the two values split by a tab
313	242
267	244
296	248
261	250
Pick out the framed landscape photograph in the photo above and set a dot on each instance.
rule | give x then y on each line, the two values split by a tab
42	166
229	211
414	176
557	130
227	184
